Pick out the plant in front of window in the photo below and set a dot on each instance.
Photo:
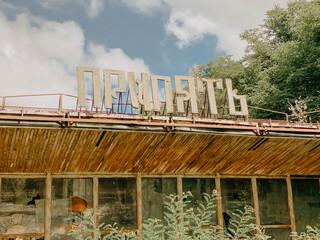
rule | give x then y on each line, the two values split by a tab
180	222
311	233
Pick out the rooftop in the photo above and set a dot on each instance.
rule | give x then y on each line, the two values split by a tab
60	140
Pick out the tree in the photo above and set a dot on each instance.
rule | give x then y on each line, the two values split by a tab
282	60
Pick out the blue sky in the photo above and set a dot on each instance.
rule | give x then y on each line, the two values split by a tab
42	41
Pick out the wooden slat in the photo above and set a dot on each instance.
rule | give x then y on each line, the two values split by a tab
22	175
35	150
139	203
290	204
26	235
48	208
275	226
0	188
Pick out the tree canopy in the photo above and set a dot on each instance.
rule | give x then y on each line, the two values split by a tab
281	63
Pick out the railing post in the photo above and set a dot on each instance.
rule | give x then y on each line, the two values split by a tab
3	103
60	103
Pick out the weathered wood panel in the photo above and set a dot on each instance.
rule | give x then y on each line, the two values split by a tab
35	150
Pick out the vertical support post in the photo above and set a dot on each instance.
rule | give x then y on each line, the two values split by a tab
255	200
0	188
139	202
219	202
95	203
48	207
179	186
290	203
179	190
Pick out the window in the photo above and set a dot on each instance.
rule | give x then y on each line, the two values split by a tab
22	206
306	202
273	201
198	186
118	202
236	193
153	191
70	199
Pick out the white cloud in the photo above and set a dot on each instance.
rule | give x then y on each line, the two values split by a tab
190	21
113	58
92	7
189	26
148	7
40	56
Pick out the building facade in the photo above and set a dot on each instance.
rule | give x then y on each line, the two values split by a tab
55	167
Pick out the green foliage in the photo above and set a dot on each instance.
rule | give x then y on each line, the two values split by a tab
86	227
282	60
180	222
310	234
242	226
87	230
184	222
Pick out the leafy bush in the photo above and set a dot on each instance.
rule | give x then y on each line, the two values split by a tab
310	234
184	222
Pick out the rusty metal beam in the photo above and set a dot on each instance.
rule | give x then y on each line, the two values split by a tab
69	121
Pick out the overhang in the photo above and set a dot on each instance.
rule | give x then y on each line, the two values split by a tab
99	145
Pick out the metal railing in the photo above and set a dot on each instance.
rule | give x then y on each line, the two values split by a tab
120	107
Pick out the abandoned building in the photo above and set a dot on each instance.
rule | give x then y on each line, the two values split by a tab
55	163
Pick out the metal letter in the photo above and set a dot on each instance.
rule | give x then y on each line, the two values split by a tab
211	95
95	86
155	93
111	93
184	95
143	96
233	94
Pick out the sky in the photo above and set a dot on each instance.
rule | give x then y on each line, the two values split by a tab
43	41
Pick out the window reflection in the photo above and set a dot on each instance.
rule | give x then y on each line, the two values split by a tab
70	199
273	201
306	202
153	191
22	206
198	186
236	193
117	201
279	233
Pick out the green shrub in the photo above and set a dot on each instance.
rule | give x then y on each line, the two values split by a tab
310	234
184	222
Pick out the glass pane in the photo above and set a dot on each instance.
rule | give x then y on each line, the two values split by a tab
279	233
22	206
153	191
118	201
306	201
236	193
198	186
70	199
273	201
